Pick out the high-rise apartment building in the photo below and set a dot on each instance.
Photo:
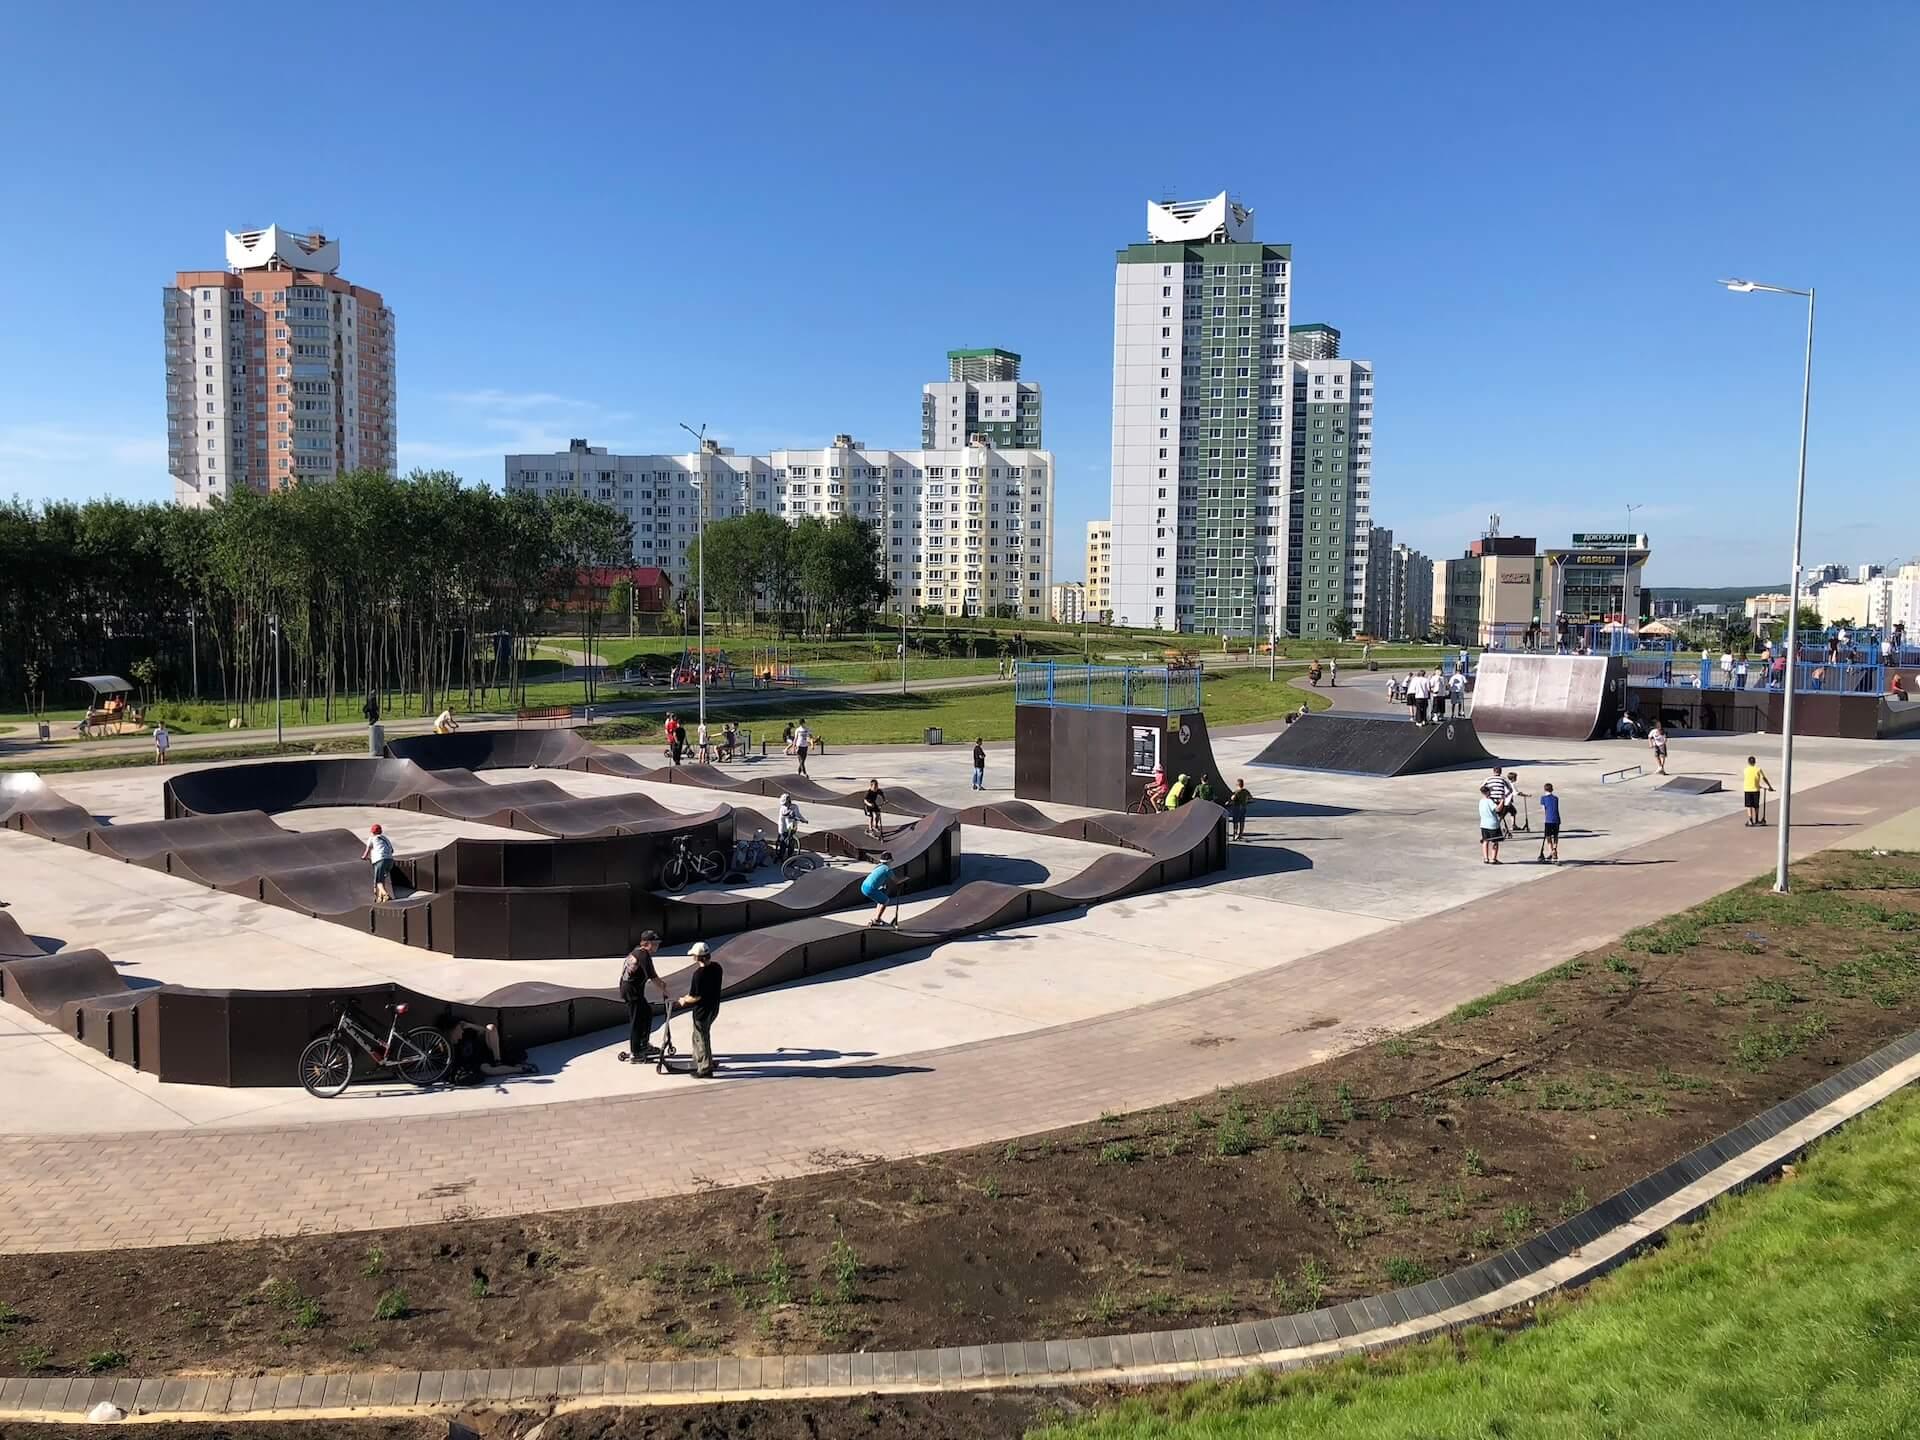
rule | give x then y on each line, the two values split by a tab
1399	590
1241	476
1068	605
278	370
1330	506
1313	341
1099	596
967	530
983	395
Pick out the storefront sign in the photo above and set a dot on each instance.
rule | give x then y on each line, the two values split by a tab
1593	539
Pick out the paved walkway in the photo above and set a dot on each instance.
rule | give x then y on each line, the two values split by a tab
109	1191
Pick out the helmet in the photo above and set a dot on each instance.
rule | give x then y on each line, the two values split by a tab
700	951
376	830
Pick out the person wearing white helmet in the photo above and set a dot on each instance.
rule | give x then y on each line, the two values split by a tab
703	998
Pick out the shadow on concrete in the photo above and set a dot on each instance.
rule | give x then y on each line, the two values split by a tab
1253	857
1300	809
726	1068
1008	869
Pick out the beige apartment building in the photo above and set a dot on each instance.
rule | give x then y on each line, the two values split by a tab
1098	598
1067	603
277	370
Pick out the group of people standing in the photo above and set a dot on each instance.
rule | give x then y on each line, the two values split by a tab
1500	801
1427	696
702	744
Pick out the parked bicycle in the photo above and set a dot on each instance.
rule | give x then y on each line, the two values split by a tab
688	866
421	1056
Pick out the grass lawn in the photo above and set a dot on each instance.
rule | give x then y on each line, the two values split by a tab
896	719
1791	1311
80	758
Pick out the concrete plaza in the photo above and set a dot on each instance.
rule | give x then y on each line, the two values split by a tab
1161	995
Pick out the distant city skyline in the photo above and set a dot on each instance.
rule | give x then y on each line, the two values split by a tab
1530	261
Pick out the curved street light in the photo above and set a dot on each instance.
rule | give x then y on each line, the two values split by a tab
1749	287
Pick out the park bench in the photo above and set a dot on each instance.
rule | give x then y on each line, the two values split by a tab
552	713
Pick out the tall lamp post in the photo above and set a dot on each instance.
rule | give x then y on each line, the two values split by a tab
193	650
1748	287
700	539
1626	564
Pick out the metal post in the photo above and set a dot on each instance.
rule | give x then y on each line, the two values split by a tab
1273	649
279	718
193	649
1780	881
903	641
700	540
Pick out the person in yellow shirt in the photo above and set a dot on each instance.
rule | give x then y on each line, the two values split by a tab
1752	781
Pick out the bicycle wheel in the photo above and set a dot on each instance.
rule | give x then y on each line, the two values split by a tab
799	863
673	874
711	866
428	1058
326	1068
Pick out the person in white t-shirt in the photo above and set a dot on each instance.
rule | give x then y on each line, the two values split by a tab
802	740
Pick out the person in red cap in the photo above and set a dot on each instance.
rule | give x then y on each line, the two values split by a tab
380	851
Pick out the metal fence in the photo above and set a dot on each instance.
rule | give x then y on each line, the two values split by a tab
1107	687
1707	673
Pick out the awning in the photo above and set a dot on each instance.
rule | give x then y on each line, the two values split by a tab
104	684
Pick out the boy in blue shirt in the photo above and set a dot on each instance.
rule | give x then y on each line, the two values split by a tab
878	887
1550	825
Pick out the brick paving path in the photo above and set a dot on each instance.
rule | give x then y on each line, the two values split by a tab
129	1191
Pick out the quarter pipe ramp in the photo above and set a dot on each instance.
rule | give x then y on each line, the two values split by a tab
1566	697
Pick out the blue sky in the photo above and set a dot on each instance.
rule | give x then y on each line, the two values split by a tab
775	219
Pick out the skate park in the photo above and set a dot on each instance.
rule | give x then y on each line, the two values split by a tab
1333	858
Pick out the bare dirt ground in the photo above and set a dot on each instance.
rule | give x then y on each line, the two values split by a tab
1404	1159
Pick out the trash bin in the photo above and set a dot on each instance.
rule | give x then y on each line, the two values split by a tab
1373	664
935	735
46	731
376	739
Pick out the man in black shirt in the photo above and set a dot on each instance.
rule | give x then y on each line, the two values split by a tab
635	975
703	998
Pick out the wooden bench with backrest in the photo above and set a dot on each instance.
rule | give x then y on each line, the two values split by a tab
552	713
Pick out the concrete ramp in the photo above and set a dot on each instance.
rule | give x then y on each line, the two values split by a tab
28	803
15	943
1374	745
1564	697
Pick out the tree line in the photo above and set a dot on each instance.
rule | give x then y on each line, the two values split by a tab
824	574
415	587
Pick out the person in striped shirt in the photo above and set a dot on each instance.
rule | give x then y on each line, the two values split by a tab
1499	789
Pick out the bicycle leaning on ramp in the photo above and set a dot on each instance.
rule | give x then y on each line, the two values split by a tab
422	1056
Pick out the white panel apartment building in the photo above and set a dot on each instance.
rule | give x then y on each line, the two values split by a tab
1241	477
278	370
967	530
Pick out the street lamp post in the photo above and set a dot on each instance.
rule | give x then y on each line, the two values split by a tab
700	540
1748	287
1626	563
193	650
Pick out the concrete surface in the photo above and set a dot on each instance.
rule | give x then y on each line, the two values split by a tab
1330	859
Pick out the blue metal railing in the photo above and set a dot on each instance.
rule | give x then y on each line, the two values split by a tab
1154	688
1812	676
1546	639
